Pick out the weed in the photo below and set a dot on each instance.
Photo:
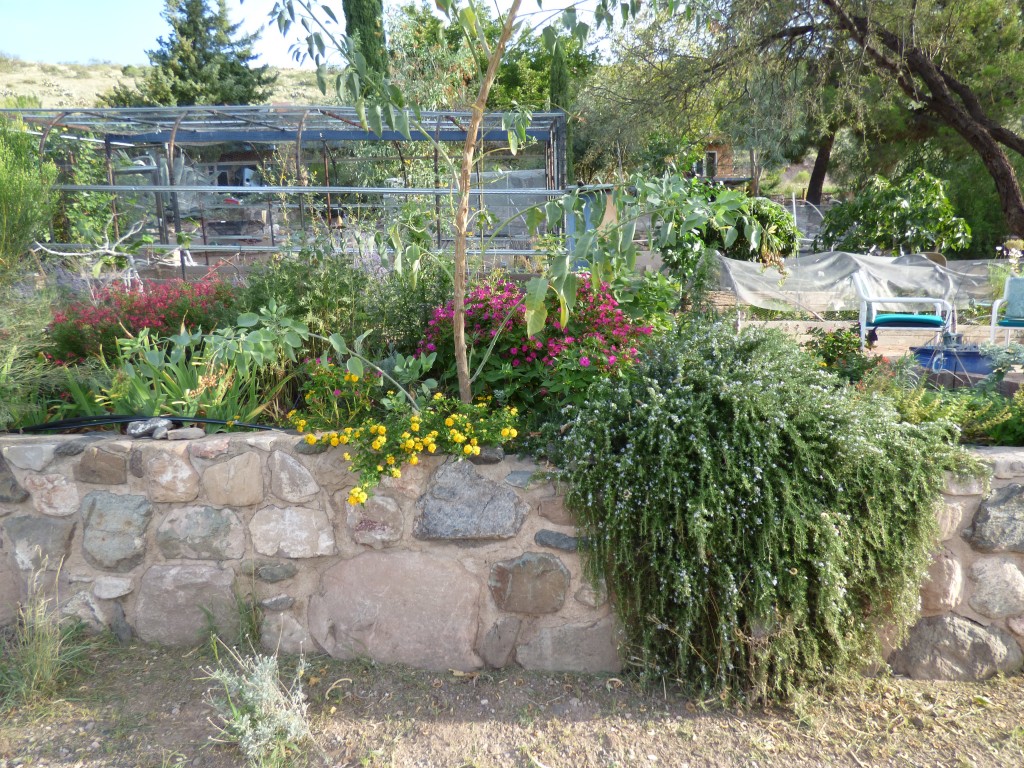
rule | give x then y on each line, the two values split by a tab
266	719
43	652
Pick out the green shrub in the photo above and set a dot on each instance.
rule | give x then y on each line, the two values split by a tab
839	351
757	521
331	292
907	215
256	711
26	199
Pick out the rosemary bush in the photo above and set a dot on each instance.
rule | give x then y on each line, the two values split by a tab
756	519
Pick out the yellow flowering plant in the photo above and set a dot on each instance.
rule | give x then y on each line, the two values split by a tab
379	446
333	395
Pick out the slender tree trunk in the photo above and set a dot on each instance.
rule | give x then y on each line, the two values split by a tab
820	169
462	212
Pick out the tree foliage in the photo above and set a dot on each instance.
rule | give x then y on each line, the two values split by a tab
26	198
201	61
909	215
364	23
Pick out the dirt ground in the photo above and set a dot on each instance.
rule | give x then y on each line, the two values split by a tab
147	707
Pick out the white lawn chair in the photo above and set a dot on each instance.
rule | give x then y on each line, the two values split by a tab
942	319
1013	315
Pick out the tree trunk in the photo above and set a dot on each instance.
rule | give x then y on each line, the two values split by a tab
820	169
462	212
921	78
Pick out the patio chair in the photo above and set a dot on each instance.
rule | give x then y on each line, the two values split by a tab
1013	300
941	320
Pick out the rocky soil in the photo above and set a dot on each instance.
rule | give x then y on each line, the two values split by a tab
145	706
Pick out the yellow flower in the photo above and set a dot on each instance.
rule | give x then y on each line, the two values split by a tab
449	422
415	426
299	428
513	433
476	450
382	429
414	459
438	395
468	450
505	432
354	378
311	439
347	456
431	447
396	472
473	441
391	460
334	442
343	439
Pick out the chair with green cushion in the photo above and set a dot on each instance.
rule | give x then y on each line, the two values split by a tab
942	319
1013	316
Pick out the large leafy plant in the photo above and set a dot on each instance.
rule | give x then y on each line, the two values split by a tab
906	215
26	199
757	521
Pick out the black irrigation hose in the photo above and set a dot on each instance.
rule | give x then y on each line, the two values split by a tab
65	425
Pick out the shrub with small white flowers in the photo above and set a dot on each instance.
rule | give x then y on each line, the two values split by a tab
756	520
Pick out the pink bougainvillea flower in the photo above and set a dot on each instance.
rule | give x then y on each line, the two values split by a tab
584	362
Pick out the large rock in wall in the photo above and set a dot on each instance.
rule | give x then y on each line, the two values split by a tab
409	608
973	595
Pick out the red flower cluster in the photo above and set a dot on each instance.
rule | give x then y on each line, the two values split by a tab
85	329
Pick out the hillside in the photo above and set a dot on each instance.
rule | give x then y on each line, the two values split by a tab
79	85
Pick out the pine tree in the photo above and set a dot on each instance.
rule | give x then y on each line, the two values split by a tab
364	22
200	62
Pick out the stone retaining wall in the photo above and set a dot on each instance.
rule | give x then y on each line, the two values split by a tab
972	601
452	565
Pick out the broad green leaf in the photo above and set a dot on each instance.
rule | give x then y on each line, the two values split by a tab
536	309
730	235
374	119
248	320
355	366
402	123
337	342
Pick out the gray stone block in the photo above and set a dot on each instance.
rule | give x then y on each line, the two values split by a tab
463	506
178	603
556	540
998	525
588	648
38	542
100	467
10	491
114	533
270	571
201	533
952	648
500	640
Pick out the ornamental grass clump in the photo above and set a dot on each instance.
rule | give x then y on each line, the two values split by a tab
756	520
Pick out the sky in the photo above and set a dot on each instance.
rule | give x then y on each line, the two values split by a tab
121	31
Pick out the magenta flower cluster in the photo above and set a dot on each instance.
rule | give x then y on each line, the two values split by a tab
598	336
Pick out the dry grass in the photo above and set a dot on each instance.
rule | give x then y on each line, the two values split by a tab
79	85
145	707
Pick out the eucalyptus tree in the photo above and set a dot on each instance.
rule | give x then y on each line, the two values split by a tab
379	102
